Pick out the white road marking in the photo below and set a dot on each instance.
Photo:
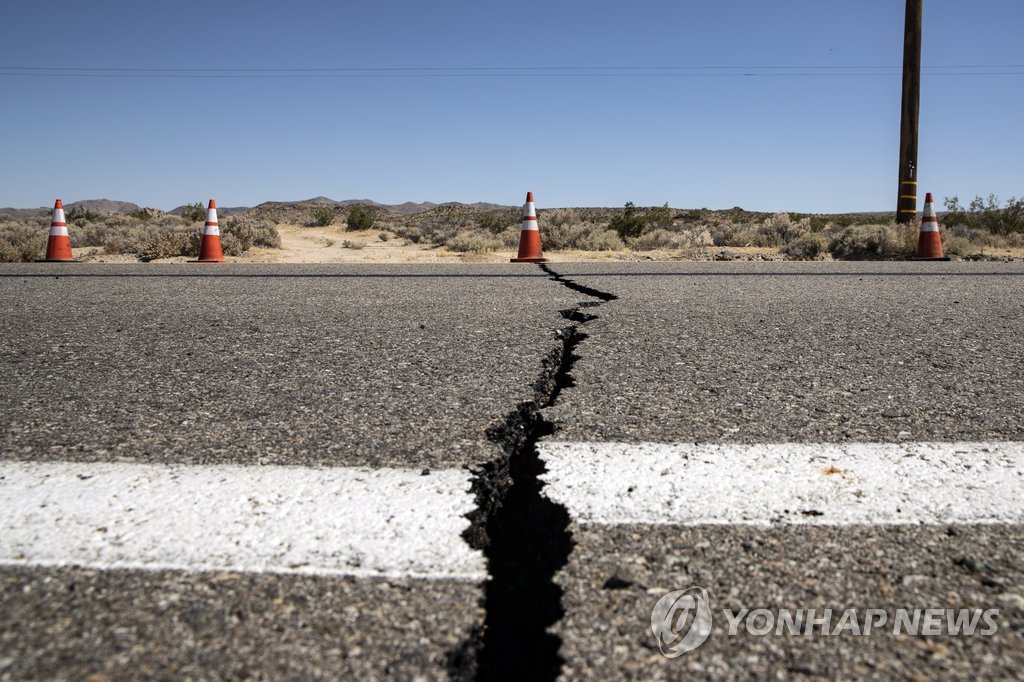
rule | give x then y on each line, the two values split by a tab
316	521
827	484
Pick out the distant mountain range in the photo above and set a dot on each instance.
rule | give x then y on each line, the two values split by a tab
109	206
290	210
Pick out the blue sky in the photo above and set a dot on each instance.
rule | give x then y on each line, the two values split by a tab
712	138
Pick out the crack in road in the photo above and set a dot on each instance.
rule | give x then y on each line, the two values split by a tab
524	535
604	296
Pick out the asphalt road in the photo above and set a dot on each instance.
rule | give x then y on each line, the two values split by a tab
873	352
411	367
776	353
374	366
371	365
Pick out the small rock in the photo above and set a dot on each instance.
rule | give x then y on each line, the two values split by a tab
989	581
621	579
1011	601
914	580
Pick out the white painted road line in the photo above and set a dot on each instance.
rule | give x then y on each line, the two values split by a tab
828	484
319	521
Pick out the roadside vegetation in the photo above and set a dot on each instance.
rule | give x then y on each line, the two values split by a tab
147	234
980	230
985	228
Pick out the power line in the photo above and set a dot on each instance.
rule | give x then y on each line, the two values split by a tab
137	76
495	69
718	71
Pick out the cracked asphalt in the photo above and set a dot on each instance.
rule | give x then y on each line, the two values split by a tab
766	353
410	366
299	365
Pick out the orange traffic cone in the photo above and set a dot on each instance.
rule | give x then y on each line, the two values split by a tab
529	237
58	246
929	243
209	248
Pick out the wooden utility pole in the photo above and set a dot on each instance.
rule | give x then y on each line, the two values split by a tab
906	205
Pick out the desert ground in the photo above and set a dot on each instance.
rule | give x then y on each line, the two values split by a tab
326	231
336	244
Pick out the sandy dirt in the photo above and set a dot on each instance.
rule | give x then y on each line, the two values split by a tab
333	244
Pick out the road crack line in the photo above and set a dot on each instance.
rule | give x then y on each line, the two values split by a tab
523	534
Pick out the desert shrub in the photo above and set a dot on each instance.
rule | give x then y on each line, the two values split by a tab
267	235
676	238
659	239
252	232
81	215
700	235
902	239
361	217
146	215
116	234
21	242
560	216
121	222
628	224
582	236
557	237
692	215
354	245
808	246
986	214
496	222
117	243
981	239
729	233
473	242
322	216
132	242
600	240
99	234
168	244
818	222
780	229
510	237
655	239
873	242
632	222
855	243
169	221
958	246
660	216
193	213
230	245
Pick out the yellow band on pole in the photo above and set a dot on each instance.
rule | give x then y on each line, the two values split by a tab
908	182
907	196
